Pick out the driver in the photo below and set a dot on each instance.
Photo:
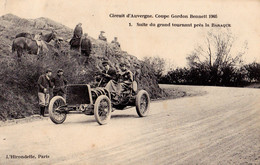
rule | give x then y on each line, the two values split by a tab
107	74
124	83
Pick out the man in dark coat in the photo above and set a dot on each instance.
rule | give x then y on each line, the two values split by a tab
126	78
107	74
78	31
76	39
60	83
44	86
85	46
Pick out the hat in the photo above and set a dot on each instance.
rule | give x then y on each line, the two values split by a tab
105	63
102	32
48	70
59	70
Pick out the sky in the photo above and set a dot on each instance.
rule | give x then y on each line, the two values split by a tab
171	43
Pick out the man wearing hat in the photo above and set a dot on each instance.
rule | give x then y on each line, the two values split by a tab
107	74
85	46
116	42
126	77
60	83
44	86
102	37
123	84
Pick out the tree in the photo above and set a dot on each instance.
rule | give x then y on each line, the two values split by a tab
157	64
217	56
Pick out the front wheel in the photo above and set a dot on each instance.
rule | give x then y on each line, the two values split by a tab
142	103
56	116
102	109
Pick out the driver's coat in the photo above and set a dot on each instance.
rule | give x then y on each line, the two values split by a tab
125	81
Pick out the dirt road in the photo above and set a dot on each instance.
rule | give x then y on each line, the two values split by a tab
220	127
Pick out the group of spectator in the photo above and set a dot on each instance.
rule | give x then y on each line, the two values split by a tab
48	84
80	41
103	38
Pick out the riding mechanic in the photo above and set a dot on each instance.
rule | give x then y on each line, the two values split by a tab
123	84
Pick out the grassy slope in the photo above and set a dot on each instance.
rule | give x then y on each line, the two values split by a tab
18	88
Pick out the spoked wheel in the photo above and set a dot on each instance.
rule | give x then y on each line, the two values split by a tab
56	116
102	109
142	102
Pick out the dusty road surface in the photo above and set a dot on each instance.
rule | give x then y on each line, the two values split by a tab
220	127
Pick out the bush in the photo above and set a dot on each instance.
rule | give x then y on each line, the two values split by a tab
253	70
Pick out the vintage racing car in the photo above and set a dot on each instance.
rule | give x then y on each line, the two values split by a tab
81	98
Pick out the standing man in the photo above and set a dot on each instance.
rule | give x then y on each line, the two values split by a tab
85	47
60	83
75	42
116	42
44	86
38	37
102	37
78	31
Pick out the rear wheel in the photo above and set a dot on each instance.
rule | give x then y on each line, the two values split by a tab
142	102
102	109
56	116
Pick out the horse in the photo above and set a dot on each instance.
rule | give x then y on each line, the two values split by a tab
47	37
22	44
25	44
25	34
